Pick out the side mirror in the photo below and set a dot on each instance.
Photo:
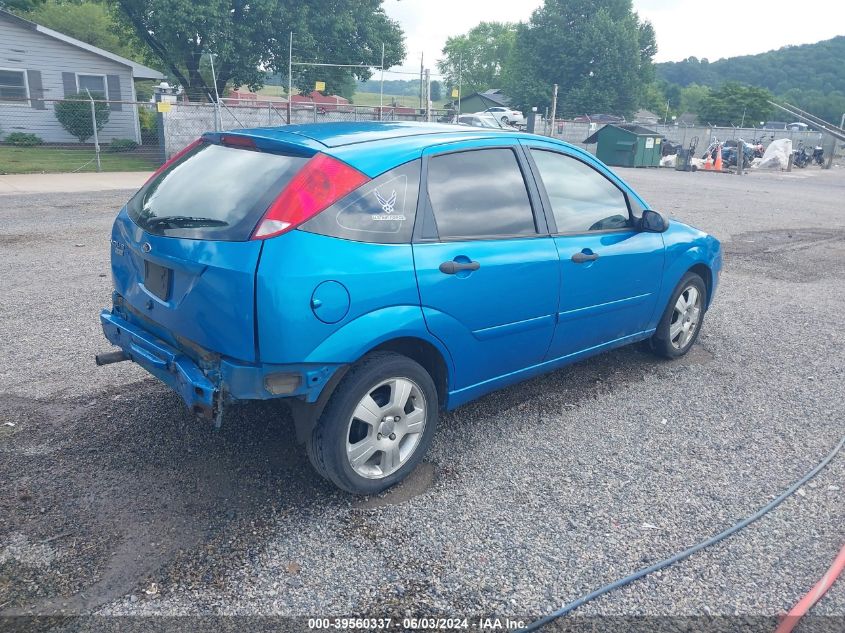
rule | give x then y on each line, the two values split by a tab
653	222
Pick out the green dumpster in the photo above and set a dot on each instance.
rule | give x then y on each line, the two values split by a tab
627	145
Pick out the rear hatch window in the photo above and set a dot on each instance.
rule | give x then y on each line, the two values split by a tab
213	192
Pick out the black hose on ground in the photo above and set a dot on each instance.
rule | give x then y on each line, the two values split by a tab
627	580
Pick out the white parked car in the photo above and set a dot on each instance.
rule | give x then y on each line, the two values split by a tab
506	115
481	119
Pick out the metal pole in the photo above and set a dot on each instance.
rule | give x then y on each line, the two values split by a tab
94	125
218	123
421	82
832	152
427	95
554	110
460	78
740	157
381	86
290	74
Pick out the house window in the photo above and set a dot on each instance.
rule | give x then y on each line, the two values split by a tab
13	87
95	84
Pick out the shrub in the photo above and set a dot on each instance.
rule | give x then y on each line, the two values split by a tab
121	145
23	139
148	122
75	115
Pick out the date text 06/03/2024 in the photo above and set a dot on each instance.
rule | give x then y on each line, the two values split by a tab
481	624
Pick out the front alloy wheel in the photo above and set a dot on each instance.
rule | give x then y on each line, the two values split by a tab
685	317
682	319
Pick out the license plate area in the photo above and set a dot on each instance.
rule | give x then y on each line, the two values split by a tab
157	279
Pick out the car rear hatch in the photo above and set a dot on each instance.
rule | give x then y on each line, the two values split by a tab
182	257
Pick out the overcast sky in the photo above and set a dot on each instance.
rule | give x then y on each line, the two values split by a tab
703	28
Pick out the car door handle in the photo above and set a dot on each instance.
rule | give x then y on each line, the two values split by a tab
451	267
581	257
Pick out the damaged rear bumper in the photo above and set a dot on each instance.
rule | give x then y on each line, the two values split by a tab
206	384
173	368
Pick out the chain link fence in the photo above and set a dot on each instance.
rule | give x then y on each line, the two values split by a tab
76	135
575	132
184	122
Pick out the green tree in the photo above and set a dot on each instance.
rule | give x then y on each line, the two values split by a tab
91	22
735	104
75	115
829	106
478	57
597	51
693	97
249	39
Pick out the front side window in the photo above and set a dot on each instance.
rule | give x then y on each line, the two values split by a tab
582	199
12	86
95	84
479	193
381	211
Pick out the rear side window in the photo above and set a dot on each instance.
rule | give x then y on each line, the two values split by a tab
582	199
381	211
479	193
213	192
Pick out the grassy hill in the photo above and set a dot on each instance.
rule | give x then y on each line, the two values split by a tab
817	67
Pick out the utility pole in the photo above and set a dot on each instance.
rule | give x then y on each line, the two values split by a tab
290	75
421	81
554	109
427	95
460	69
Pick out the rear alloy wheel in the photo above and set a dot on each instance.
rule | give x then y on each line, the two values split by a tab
505	120
377	425
681	322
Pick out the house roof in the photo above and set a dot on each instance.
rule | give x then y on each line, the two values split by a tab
318	97
645	114
636	130
494	96
139	71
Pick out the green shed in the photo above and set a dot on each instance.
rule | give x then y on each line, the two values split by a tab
627	145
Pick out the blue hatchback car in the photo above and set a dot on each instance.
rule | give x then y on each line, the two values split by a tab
373	274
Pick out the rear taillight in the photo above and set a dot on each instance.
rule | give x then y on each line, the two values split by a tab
173	159
318	185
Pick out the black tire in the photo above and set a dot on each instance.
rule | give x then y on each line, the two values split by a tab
327	445
661	342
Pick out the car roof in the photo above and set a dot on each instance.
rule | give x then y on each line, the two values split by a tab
372	146
337	134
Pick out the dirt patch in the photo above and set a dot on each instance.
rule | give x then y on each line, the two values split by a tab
802	255
103	495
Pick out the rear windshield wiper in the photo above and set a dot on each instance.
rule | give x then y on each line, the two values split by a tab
183	222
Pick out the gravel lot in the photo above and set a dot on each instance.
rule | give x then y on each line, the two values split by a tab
529	498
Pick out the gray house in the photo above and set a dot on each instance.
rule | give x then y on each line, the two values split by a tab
39	65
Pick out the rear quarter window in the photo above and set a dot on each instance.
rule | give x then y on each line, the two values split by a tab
213	192
380	211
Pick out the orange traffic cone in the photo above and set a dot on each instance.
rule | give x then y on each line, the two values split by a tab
718	165
708	164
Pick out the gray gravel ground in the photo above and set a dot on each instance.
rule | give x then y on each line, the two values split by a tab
530	497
